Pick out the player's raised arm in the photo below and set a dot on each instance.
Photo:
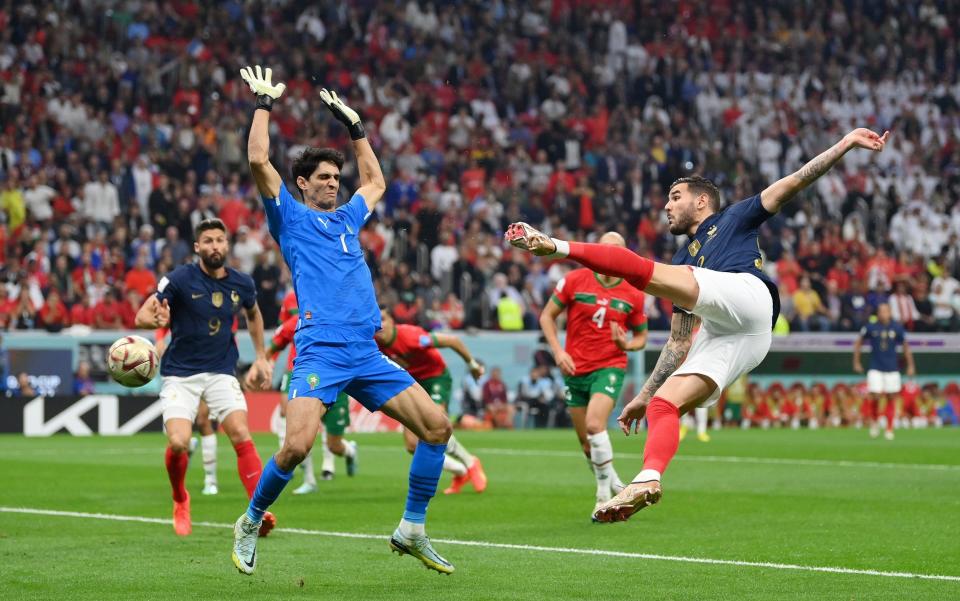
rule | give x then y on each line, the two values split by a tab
372	184
258	144
261	372
782	191
153	314
453	342
671	357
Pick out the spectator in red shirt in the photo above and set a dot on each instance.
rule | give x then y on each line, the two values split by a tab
106	315
140	278
81	313
408	309
497	408
129	307
453	311
789	271
472	181
53	315
234	213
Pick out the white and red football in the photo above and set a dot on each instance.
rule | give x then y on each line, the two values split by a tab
133	361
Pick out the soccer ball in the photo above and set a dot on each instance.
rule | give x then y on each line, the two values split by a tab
132	361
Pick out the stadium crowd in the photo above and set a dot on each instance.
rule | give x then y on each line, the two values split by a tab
124	125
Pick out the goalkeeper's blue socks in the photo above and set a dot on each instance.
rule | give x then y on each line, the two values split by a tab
425	472
269	487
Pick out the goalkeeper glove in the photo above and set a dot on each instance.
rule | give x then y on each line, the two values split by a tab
261	85
343	113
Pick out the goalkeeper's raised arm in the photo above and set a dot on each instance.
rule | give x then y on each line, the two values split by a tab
258	145
372	184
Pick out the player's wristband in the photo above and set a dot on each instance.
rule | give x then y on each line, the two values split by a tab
264	102
473	364
356	130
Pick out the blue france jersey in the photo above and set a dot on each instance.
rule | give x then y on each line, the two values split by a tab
202	313
729	241
883	340
330	277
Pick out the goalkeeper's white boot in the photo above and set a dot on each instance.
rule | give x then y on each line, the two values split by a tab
420	547
210	486
245	533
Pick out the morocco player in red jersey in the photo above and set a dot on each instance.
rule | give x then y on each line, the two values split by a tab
600	310
415	350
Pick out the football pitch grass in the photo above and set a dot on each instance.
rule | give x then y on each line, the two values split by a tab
828	514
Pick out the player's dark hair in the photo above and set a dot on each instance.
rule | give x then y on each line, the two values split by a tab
305	164
208	224
701	185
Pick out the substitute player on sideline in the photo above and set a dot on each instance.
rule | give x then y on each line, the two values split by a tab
716	279
335	420
883	375
338	317
600	310
199	303
415	349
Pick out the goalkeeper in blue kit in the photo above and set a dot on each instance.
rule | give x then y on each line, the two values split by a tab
338	318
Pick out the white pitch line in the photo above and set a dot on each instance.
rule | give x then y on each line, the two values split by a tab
488	545
733	459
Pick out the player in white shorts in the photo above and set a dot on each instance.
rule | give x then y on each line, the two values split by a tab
208	433
883	376
199	303
716	282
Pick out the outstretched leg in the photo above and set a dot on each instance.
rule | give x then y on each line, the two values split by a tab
672	282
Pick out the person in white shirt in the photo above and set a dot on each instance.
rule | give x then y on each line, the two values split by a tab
246	249
142	183
902	306
38	197
101	202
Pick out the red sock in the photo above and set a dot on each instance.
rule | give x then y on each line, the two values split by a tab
248	465
613	260
663	434
177	470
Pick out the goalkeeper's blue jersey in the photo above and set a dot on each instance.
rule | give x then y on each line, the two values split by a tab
330	277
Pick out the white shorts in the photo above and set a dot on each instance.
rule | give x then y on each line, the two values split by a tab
181	396
883	382
736	310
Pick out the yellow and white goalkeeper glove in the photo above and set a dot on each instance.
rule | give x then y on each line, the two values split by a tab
261	84
343	113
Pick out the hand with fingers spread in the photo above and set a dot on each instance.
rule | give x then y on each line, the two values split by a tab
261	84
632	414
343	113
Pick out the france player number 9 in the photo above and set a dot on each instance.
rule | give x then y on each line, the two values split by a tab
214	325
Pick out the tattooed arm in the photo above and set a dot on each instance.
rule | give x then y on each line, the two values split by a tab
673	354
781	192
